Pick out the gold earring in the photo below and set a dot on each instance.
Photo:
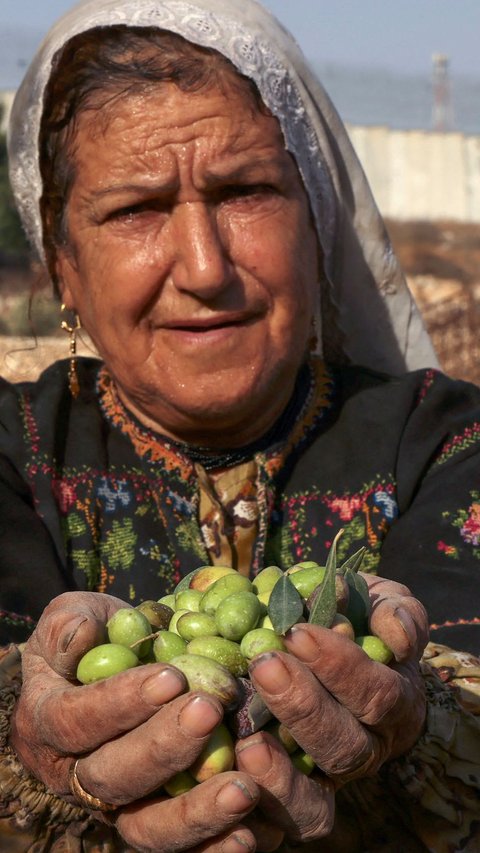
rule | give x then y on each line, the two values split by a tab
72	329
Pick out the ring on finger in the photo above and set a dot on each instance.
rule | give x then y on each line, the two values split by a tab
83	797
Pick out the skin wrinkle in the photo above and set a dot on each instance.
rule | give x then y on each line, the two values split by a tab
313	799
382	697
220	268
184	812
303	711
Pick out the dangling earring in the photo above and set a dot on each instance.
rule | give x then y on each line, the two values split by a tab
72	329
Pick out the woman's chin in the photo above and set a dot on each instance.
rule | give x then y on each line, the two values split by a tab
218	412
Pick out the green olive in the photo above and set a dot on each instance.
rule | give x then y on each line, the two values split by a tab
167	645
222	651
224	586
260	640
127	627
375	648
303	762
191	625
188	599
307	578
104	661
342	625
173	621
217	756
205	674
168	600
237	614
181	783
283	734
266	579
158	614
204	577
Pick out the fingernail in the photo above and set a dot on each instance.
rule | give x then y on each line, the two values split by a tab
237	844
271	673
302	644
162	687
255	757
69	632
235	797
199	716
407	624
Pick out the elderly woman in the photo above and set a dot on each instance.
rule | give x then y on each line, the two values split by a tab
198	206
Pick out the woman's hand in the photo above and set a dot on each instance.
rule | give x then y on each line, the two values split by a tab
131	733
351	714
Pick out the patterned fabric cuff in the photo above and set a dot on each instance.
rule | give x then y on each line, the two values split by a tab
25	804
429	798
438	781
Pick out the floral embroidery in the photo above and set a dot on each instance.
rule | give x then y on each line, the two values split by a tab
428	380
146	443
119	545
467	522
464	441
134	527
448	550
365	516
114	497
31	433
470	531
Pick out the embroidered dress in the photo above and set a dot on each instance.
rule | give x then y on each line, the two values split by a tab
93	500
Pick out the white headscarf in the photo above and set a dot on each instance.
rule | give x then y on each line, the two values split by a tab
374	321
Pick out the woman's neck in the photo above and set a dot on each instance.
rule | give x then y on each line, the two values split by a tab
213	457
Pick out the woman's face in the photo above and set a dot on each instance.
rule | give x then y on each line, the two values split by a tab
192	259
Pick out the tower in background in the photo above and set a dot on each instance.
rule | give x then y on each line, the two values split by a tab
442	108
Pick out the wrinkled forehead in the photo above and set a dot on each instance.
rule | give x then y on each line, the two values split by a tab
241	30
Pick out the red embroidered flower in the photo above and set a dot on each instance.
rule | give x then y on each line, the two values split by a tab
470	531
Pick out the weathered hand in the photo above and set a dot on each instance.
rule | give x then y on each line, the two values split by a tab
131	733
299	806
350	713
398	618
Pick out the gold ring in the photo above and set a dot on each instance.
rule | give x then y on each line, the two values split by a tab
83	797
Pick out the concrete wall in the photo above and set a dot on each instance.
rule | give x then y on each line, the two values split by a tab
418	174
6	100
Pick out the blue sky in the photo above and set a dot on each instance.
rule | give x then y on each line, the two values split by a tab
398	35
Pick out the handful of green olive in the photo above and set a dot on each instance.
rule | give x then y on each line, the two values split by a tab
212	626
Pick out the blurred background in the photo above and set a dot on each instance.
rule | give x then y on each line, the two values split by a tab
405	77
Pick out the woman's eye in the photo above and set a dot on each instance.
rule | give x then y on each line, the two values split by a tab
127	214
134	212
247	191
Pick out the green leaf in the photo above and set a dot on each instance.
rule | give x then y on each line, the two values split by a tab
285	606
359	602
362	587
324	606
354	562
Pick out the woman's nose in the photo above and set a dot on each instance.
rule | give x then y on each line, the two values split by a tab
201	260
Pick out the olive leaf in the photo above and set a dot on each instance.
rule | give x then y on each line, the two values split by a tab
358	609
285	606
324	606
354	562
